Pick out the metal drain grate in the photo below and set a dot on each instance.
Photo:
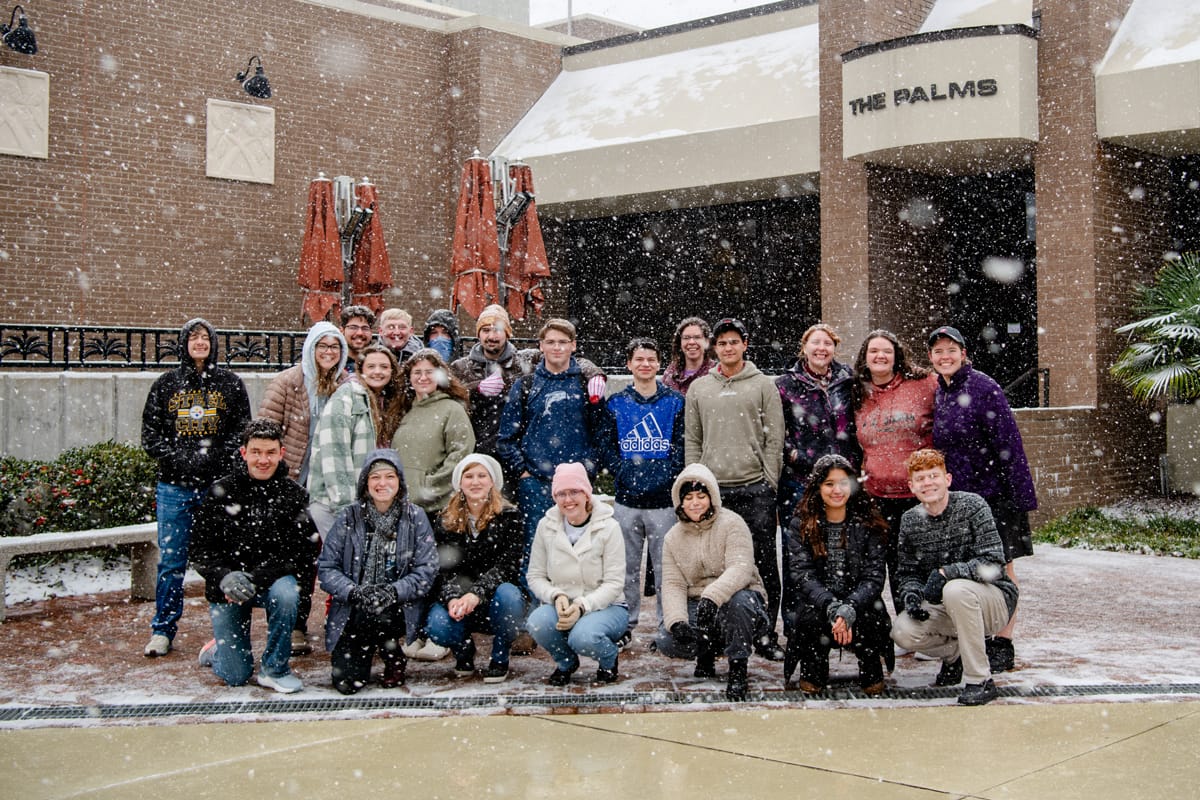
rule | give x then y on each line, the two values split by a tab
610	700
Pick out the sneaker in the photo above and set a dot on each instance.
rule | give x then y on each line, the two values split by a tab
605	676
950	674
431	652
208	653
496	673
159	645
560	677
464	663
976	694
624	641
284	684
1000	654
300	643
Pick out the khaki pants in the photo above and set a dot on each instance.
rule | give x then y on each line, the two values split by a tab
969	612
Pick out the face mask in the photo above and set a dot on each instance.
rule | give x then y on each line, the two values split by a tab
442	345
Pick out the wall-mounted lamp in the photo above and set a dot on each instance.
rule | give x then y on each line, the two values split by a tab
258	85
20	37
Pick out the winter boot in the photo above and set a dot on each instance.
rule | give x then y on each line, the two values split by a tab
706	660
395	665
1000	654
736	688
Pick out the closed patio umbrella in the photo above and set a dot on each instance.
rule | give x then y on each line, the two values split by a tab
372	269
320	253
527	264
475	258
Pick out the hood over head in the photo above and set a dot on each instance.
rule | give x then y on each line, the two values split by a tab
308	357
446	319
381	454
699	474
186	331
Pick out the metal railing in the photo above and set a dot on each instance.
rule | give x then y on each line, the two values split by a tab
1040	374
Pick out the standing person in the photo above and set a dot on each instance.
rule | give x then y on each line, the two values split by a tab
549	419
893	418
976	430
836	560
396	333
952	582
577	571
735	428
479	552
434	432
362	414
191	425
641	444
378	562
295	400
488	372
254	541
815	393
712	594
691	354
357	324
441	333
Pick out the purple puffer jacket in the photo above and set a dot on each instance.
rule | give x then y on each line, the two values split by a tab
975	429
819	420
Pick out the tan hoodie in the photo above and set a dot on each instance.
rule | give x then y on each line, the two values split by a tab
713	558
735	427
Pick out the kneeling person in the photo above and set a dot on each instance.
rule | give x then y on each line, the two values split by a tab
952	581
378	562
252	541
713	597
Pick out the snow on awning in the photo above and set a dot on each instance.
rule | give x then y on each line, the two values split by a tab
713	123
1148	84
950	14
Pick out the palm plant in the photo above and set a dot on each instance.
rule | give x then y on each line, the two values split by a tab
1163	356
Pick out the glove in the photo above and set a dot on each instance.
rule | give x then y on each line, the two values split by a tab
844	610
683	633
596	389
567	619
238	586
492	385
912	604
934	586
562	604
377	598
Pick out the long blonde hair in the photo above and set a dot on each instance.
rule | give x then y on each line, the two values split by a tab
455	517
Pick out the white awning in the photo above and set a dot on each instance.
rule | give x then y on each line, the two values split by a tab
1148	84
658	130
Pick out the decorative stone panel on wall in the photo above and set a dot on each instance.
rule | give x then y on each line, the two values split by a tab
24	113
241	142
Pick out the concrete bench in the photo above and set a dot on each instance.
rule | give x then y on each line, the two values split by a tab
142	540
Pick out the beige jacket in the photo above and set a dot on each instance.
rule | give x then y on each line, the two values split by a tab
713	558
592	570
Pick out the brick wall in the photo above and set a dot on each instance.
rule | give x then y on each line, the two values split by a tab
120	224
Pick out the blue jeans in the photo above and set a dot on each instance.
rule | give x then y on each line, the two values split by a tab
594	636
533	497
643	528
234	660
176	508
500	617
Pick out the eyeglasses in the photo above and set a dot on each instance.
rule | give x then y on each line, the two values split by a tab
358	328
328	348
556	344
567	494
692	338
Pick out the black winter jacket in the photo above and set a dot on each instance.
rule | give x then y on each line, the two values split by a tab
479	565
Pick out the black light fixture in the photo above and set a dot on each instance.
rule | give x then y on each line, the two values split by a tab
17	33
258	85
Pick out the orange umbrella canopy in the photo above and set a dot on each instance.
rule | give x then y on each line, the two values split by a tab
475	259
527	265
320	253
372	270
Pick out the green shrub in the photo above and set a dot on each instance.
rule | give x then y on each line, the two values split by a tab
99	486
1092	529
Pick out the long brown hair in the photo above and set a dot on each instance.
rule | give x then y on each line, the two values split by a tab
445	381
386	408
901	365
454	518
811	508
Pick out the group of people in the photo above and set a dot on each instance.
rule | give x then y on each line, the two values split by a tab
434	498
